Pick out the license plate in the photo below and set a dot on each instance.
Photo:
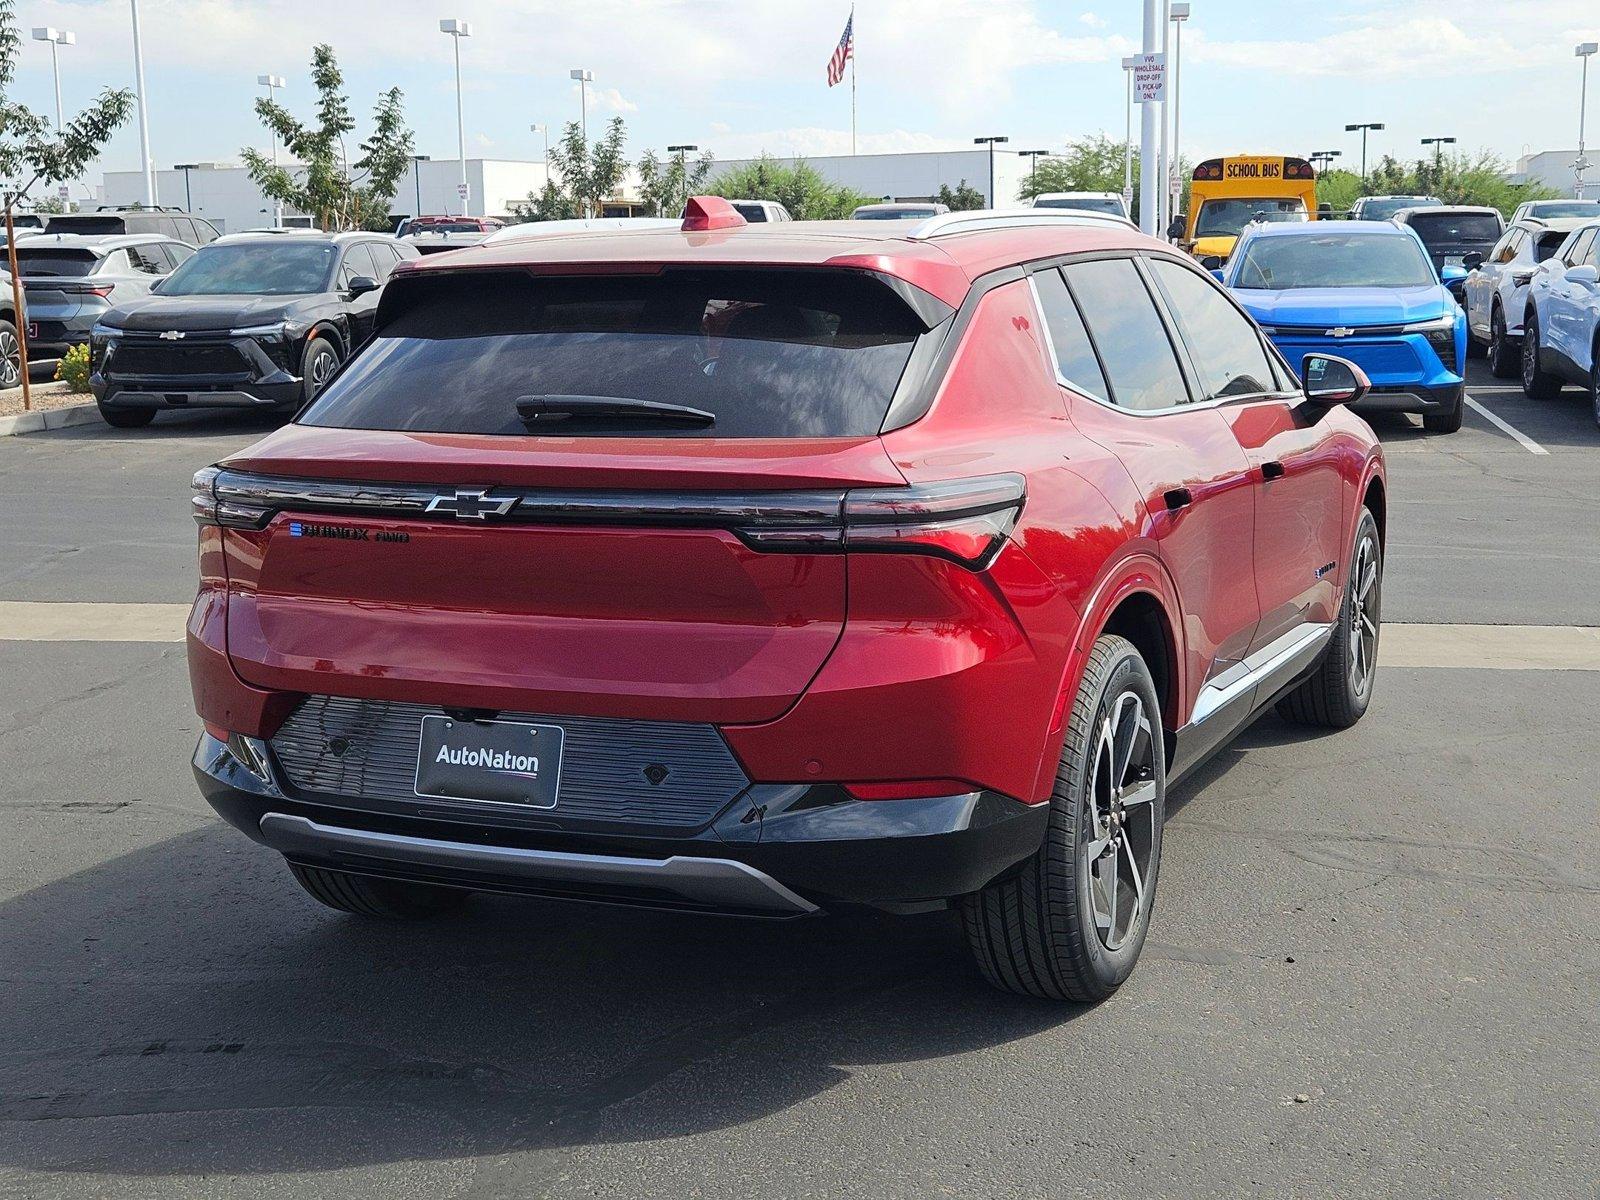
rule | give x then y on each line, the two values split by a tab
501	762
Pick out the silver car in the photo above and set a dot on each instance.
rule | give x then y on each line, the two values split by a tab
71	279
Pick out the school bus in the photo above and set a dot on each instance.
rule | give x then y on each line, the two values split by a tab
1226	194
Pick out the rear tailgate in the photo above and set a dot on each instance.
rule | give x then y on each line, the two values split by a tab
627	613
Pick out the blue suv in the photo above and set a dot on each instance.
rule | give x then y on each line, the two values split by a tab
1366	291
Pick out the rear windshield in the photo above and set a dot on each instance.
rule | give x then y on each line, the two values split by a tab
1448	228
768	354
1083	204
1382	208
1547	245
891	214
71	263
1566	208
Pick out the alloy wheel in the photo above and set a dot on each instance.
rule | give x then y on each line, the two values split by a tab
1497	336
322	367
1120	837
1365	590
1530	353
10	360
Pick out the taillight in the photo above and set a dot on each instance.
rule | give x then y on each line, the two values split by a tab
204	500
965	520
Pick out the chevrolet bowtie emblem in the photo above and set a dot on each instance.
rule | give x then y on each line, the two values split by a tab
472	504
1340	331
172	335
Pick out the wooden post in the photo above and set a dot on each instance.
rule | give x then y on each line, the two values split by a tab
16	304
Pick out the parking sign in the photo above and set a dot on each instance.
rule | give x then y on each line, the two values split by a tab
464	190
1149	77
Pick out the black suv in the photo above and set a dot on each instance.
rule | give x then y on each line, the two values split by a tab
168	222
254	320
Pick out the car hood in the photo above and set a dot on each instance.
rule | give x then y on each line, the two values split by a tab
157	313
1345	306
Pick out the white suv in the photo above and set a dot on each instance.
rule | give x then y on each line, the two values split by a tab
1547	210
1104	202
1497	287
758	211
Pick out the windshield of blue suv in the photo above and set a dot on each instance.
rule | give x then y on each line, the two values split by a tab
1225	218
263	268
1333	260
726	353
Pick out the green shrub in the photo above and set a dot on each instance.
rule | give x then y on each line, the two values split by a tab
74	368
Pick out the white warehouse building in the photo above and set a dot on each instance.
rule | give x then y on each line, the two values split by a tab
916	175
224	194
1554	169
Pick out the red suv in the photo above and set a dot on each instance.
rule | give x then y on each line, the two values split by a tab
767	570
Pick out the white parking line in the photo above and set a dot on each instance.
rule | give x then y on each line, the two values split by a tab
1526	442
62	621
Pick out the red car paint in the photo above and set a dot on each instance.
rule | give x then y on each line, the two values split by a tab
859	667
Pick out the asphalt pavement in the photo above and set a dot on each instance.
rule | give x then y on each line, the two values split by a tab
1372	970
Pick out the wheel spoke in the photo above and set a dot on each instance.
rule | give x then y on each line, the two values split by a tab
1128	724
1143	792
1138	886
1372	627
1109	875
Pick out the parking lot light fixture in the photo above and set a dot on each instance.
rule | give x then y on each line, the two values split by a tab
188	200
1365	129
457	30
145	163
56	38
1178	14
1438	144
1033	170
416	177
991	142
272	83
1583	50
583	77
544	128
683	167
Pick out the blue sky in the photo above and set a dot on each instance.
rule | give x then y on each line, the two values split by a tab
742	75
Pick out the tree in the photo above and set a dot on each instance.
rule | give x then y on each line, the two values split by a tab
339	194
1463	178
32	151
584	178
1338	189
800	188
1092	164
666	186
964	197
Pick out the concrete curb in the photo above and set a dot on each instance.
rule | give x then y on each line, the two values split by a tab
49	418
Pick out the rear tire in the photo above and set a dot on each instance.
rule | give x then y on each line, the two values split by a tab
387	899
1069	924
127	418
1503	360
1338	692
1537	383
1594	380
1475	348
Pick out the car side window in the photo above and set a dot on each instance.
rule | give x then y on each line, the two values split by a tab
1141	365
1508	247
357	261
382	260
1223	343
177	252
1069	338
1579	248
147	259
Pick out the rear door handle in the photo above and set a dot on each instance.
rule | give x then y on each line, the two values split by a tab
1178	497
1271	470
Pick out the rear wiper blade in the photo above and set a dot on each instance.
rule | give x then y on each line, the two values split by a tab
551	409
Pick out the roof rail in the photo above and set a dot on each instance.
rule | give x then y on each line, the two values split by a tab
982	219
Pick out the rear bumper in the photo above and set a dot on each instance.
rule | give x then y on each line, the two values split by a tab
776	851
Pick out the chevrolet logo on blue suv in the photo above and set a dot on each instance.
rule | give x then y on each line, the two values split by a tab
1369	289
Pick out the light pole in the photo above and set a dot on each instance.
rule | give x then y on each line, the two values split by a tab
1583	50
1149	134
1033	169
991	142
584	78
683	167
416	177
543	128
1178	15
1325	157
1128	65
1438	144
144	113
1364	129
56	37
458	30
188	200
272	83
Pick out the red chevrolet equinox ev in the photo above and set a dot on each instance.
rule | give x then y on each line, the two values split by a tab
774	569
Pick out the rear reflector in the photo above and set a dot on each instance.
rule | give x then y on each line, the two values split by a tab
963	520
909	789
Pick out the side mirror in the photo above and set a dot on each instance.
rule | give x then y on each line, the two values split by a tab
1448	275
1212	262
360	285
1584	274
1327	381
1472	261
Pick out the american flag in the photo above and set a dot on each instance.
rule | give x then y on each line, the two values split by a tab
842	52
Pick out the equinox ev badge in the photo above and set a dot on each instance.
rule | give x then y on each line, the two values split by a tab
1340	331
172	335
473	504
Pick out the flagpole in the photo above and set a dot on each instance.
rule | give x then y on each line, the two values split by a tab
852	81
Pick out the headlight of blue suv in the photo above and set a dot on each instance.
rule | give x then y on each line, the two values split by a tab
1441	335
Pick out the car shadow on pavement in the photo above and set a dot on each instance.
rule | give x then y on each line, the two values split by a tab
185	1009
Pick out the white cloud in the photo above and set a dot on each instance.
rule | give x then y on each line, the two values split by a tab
1093	20
810	141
